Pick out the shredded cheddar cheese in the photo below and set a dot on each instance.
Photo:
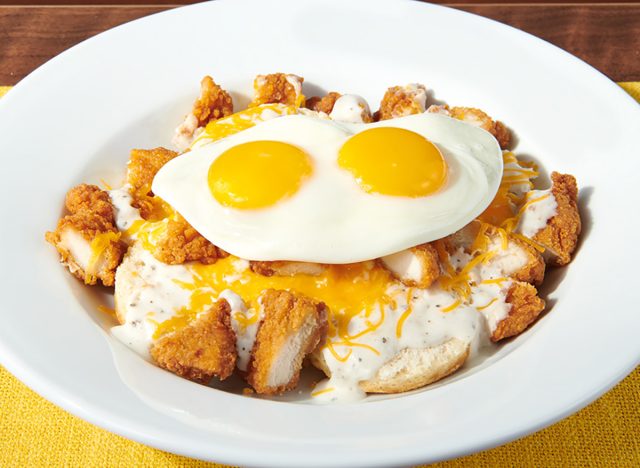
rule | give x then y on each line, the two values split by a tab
246	321
497	281
107	310
492	301
323	391
348	290
98	245
222	128
405	314
452	306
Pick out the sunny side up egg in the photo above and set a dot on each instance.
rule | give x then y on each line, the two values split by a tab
302	188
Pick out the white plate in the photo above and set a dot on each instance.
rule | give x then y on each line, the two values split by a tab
75	119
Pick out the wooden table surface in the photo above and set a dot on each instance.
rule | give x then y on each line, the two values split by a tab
606	35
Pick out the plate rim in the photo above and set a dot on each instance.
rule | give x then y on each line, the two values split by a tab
91	413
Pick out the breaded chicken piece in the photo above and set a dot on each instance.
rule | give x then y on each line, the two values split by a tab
182	243
144	164
87	239
142	167
278	88
400	101
560	236
477	118
292	327
323	104
214	103
203	349
286	268
518	259
92	198
416	267
526	306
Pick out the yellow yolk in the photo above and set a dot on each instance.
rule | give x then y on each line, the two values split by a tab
348	290
258	174
394	161
499	210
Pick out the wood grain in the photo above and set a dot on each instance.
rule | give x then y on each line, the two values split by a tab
606	36
188	2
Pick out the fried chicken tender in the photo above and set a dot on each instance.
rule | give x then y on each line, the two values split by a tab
399	101
278	88
203	349
519	260
182	243
142	167
291	328
87	239
416	267
560	236
323	104
477	118
214	103
86	197
526	306
286	268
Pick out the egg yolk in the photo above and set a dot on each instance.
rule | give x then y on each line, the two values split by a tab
258	174
499	210
394	161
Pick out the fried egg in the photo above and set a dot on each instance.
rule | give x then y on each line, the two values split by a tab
307	189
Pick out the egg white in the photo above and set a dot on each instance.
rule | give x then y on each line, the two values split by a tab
330	219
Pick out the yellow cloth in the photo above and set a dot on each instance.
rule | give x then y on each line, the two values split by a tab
34	432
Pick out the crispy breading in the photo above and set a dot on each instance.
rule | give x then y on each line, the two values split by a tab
323	104
478	118
292	327
534	267
214	102
203	349
530	270
439	109
560	236
418	266
278	88
142	167
90	198
144	164
182	243
481	119
502	134
399	101
286	268
87	239
526	306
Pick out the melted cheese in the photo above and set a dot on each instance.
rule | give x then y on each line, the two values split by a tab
373	316
217	129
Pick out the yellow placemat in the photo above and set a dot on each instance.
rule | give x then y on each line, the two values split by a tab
34	432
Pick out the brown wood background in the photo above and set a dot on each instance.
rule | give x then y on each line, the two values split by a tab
604	34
